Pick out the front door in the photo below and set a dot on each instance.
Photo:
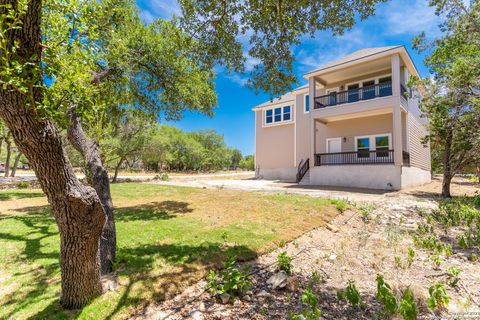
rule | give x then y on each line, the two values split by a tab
334	145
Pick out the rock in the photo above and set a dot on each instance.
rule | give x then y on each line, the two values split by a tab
292	283
237	303
247	298
333	257
331	227
278	280
263	294
196	315
224	297
201	307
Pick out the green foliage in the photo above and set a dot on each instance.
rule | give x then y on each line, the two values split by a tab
386	296
350	293
341	205
429	242
453	273
438	297
410	256
284	262
232	280
366	210
22	185
311	311
247	163
408	307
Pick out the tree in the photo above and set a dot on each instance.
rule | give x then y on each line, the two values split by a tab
235	158
451	99
31	110
248	163
15	164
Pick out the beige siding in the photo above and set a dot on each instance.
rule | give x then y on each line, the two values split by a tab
303	130
351	128
419	153
274	144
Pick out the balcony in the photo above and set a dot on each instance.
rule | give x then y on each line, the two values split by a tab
363	157
349	96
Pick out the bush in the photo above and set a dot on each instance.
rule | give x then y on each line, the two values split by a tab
284	262
311	312
22	185
407	306
162	176
231	280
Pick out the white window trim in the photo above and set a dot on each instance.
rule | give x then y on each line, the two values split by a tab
305	102
281	122
372	142
333	139
361	81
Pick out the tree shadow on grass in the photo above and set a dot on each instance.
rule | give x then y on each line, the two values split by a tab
152	211
19	194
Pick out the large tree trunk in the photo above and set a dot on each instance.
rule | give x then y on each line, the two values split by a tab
91	153
77	209
8	142
119	164
15	164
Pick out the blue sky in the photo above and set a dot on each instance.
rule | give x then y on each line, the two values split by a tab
396	22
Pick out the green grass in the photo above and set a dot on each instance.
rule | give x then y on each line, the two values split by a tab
167	238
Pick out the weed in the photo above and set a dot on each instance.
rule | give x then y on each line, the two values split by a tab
232	280
22	185
439	298
429	242
448	250
385	296
314	279
407	306
398	262
282	243
341	205
453	273
351	293
284	262
366	210
436	261
162	176
311	311
410	256
473	257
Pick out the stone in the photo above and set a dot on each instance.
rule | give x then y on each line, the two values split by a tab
202	307
196	315
237	303
224	297
263	294
292	283
278	280
333	257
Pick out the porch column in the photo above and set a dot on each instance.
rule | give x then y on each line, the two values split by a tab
312	91
397	113
313	141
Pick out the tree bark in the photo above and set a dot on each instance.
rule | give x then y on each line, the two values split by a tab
447	168
77	209
119	164
8	143
100	182
15	164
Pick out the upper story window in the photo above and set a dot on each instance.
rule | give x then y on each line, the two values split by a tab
307	103
278	115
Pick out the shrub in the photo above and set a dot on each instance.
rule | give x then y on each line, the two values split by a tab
311	311
231	280
407	306
341	205
351	293
385	296
162	176
22	185
439	298
284	262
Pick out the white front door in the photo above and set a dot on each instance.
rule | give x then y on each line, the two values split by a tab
334	145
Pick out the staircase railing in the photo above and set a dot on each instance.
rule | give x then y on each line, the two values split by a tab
303	168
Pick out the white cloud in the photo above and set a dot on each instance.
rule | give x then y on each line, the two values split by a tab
409	17
154	9
238	79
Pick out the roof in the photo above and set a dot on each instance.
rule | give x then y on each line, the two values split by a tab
354	56
287	97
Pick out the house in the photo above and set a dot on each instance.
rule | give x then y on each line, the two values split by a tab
355	124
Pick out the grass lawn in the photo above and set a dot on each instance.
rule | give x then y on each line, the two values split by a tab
167	238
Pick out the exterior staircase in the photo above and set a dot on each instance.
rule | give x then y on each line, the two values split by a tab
305	180
303	174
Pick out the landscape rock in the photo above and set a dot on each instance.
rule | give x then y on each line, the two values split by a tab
278	280
225	297
292	283
333	257
263	294
196	315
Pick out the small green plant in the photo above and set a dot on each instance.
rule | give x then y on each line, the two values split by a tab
439	298
284	262
385	296
410	256
408	307
311	311
314	279
341	205
436	261
429	242
465	241
398	262
282	243
350	293
366	210
232	280
448	250
453	273
224	236
162	176
473	257
22	185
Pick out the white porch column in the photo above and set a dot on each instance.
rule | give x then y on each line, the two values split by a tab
313	134
312	91
397	113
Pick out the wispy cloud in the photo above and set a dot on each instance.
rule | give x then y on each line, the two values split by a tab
409	17
154	9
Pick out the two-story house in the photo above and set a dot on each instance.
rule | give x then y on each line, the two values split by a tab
355	124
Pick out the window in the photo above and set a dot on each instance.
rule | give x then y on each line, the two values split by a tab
382	146
363	147
307	103
269	116
277	115
286	113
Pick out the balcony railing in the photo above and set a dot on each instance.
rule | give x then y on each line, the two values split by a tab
359	157
354	95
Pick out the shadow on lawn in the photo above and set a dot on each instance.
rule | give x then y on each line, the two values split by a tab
19	194
152	211
150	273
